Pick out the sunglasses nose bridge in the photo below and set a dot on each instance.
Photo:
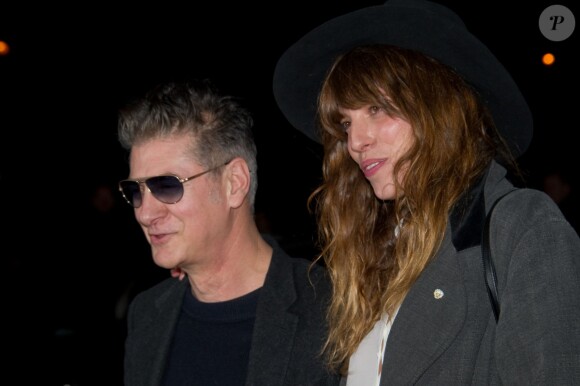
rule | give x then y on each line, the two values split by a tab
138	200
144	185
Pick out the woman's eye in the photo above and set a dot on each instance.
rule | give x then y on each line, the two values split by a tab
374	109
345	125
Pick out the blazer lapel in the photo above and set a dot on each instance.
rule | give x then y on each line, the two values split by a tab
159	331
430	317
434	310
275	326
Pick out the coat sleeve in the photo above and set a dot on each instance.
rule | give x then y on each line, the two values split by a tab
537	257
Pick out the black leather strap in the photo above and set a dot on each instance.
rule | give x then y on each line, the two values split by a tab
488	266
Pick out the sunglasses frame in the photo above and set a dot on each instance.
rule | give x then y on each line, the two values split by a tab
181	181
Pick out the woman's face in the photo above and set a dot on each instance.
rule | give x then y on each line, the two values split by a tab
376	141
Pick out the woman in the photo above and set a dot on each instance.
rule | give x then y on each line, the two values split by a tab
421	127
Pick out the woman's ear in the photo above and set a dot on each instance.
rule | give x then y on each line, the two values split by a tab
238	175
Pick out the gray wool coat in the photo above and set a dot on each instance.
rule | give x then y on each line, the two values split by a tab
289	329
454	339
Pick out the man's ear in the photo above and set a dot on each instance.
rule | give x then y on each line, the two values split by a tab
238	175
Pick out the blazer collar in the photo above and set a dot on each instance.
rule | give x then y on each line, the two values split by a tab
467	216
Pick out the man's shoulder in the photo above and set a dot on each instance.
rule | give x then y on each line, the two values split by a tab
304	276
298	264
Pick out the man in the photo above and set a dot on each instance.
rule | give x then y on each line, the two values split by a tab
245	312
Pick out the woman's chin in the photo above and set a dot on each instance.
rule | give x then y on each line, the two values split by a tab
385	192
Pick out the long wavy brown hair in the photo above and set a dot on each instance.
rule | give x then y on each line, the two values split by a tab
454	141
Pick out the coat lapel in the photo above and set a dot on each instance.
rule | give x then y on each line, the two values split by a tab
433	312
275	326
160	331
431	315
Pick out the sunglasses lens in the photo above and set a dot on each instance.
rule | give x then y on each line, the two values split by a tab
167	189
132	192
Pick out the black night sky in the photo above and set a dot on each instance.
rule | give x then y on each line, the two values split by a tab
71	68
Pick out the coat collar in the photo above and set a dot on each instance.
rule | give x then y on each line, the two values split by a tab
468	215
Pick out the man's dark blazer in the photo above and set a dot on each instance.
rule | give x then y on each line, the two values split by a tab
289	330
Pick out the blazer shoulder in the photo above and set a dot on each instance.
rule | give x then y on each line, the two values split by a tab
528	206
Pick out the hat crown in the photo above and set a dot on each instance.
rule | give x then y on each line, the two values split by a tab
421	6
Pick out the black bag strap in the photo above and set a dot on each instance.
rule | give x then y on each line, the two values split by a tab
488	266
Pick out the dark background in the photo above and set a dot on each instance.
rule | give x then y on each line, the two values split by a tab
70	260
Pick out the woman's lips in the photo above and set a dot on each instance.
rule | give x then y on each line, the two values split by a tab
371	167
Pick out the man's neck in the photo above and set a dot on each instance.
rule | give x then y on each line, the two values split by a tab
241	270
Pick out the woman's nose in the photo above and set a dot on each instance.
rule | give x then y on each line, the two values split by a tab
360	136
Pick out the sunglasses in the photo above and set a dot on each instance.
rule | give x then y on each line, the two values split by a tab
167	189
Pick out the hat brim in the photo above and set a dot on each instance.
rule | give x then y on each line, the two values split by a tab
419	25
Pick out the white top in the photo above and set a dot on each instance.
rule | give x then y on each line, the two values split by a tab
366	363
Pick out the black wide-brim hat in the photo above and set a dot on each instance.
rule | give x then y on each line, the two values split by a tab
419	25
